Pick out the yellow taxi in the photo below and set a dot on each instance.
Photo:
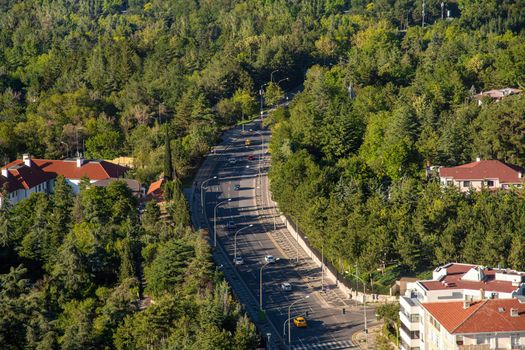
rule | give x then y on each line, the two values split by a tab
300	322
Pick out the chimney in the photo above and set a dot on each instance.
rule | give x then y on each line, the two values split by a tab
466	304
481	294
520	174
80	160
27	159
514	312
478	159
5	173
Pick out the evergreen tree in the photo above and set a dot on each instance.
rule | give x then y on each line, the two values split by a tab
168	164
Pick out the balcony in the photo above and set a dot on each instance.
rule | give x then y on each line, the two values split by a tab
411	338
408	305
410	325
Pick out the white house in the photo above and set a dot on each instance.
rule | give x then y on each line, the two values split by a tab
490	174
25	176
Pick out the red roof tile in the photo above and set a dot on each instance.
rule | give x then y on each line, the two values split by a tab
94	170
453	281
481	317
42	170
155	186
451	314
484	169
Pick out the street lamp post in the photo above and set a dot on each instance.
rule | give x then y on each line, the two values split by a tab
235	241
282	80
202	191
364	306
215	221
289	317
271	75
261	93
261	284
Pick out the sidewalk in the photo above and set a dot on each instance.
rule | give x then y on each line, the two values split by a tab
359	338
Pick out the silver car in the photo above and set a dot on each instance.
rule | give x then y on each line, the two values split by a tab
286	287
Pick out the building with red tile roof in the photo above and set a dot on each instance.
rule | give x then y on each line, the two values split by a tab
453	283
25	176
490	174
488	323
155	189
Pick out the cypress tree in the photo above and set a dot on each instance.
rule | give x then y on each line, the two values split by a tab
168	165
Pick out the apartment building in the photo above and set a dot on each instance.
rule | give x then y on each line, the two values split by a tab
458	284
476	325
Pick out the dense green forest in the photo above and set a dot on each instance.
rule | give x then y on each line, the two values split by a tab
76	267
349	155
382	98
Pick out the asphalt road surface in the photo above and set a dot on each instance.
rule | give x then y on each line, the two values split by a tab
242	184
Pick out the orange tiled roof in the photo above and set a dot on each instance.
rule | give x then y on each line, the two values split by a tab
155	186
453	280
484	169
492	315
41	170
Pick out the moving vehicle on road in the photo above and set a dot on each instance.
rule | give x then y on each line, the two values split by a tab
236	187
250	157
247	142
231	225
286	287
238	260
269	259
300	322
232	161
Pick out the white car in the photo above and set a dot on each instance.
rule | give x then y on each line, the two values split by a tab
286	287
269	259
232	161
238	260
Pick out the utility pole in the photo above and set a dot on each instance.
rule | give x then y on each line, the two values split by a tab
442	10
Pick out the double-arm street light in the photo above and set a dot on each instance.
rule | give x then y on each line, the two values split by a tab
289	319
364	305
202	191
235	241
261	284
215	221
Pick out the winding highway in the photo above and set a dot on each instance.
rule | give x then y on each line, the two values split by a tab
233	182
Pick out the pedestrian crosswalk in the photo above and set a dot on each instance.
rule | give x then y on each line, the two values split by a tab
333	345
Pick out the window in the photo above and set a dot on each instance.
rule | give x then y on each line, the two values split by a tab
481	339
459	339
414	318
449	182
515	340
466	183
490	183
434	323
